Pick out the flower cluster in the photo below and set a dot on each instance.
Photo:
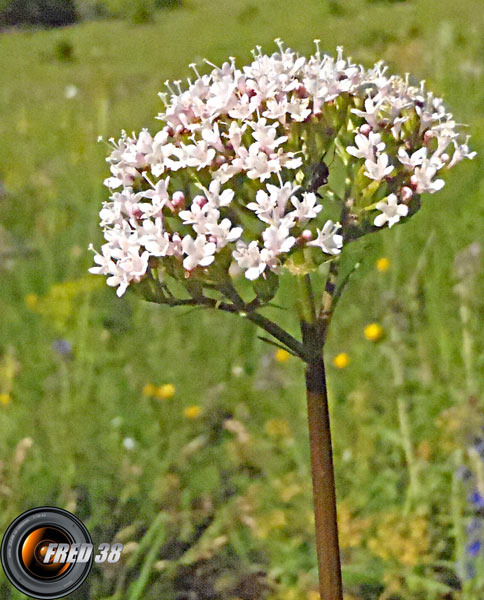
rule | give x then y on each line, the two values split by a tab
234	181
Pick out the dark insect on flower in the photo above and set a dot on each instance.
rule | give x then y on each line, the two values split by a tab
319	176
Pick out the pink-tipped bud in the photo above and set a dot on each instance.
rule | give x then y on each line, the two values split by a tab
301	91
219	160
365	129
305	237
178	200
428	135
200	201
135	211
413	182
406	194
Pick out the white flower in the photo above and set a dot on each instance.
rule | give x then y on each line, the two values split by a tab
299	109
234	134
158	196
379	169
134	264
423	178
111	214
410	162
104	261
263	206
307	208
71	91
256	163
129	443
277	109
328	239
153	237
391	211
223	233
201	217
216	198
397	126
366	146
144	145
251	259
370	114
198	155
198	252
270	205
277	240
266	135
211	134
245	107
461	151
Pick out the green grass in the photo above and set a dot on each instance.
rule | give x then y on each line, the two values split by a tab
237	504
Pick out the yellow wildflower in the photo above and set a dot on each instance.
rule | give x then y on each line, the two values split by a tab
5	399
405	540
282	355
382	264
165	391
424	450
341	360
31	301
278	428
192	412
351	528
373	332
149	390
276	519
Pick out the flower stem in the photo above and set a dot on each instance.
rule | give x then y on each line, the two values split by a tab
323	482
324	492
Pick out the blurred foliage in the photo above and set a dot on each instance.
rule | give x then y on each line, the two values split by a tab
47	13
182	434
57	13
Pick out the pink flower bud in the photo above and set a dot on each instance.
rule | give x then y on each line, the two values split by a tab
428	135
181	130
406	194
200	201
178	200
301	91
305	237
136	211
365	129
413	182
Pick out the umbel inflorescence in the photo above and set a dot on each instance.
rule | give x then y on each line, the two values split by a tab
234	182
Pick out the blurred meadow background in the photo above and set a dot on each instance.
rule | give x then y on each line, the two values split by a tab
180	433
